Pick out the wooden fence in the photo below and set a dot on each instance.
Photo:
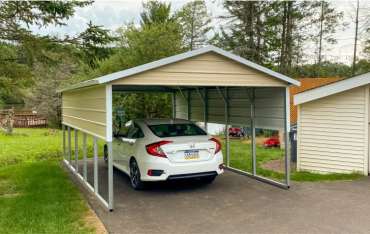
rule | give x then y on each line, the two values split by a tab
25	119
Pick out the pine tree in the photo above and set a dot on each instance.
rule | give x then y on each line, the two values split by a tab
328	19
195	22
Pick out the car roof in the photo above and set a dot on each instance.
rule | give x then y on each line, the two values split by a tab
161	121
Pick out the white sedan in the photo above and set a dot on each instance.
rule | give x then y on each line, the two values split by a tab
165	149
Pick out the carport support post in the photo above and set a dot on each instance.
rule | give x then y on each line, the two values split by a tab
76	150
109	135
84	156
69	145
227	127
110	176
225	97
64	141
253	140
205	103
174	105
95	166
286	137
189	104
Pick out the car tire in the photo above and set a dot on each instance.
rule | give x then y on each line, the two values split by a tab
208	179
105	153
135	176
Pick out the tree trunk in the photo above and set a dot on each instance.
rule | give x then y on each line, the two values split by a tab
356	35
320	34
289	38
283	39
259	36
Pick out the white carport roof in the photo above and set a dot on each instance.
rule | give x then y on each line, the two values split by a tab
176	58
333	88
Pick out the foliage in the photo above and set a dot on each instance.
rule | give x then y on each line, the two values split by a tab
157	38
20	49
39	197
195	24
155	12
327	20
327	69
17	16
274	33
43	95
144	105
15	74
362	66
94	42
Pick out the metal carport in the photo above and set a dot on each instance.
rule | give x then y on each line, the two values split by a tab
208	85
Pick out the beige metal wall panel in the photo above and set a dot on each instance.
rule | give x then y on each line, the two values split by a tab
269	107
85	109
208	69
181	106
332	133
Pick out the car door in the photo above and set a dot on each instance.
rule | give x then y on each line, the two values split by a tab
134	132
119	153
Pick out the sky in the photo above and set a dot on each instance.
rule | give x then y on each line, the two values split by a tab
113	14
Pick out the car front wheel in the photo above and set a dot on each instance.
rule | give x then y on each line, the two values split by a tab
135	177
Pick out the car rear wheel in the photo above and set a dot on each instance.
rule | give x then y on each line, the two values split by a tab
135	177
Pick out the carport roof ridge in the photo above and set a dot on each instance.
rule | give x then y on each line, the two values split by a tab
333	88
176	58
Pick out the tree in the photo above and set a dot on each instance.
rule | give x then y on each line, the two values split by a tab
155	12
326	21
251	30
20	48
94	43
49	77
356	38
17	16
195	22
268	33
156	38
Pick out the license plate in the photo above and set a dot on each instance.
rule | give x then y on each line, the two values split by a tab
191	154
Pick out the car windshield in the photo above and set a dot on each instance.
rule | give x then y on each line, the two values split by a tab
174	130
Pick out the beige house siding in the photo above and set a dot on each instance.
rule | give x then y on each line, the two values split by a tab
209	69
333	133
85	109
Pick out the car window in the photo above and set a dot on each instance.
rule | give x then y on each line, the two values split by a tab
135	132
122	132
173	130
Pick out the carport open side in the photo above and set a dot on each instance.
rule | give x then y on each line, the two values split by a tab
207	85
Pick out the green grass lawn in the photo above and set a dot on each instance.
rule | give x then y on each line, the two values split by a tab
36	195
241	158
29	145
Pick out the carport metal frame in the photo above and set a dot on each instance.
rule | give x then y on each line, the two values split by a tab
223	93
107	81
225	98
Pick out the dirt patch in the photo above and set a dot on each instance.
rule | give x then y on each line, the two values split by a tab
277	165
92	220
